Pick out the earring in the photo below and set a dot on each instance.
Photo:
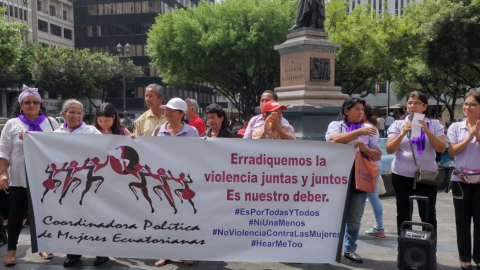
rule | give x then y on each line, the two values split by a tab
40	112
21	111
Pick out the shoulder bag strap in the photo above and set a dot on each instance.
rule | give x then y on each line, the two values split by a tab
50	121
413	152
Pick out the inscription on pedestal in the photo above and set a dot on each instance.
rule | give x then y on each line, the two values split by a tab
319	69
292	73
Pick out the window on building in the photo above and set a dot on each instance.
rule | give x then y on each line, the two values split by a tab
65	15
53	10
25	15
100	9
45	45
109	9
67	33
6	9
375	4
39	5
20	13
11	11
16	12
55	30
147	6
128	7
42	26
91	10
139	49
138	7
146	27
380	6
118	8
94	31
138	28
146	71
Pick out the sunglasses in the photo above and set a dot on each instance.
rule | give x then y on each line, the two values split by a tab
36	103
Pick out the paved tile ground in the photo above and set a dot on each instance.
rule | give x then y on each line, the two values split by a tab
378	254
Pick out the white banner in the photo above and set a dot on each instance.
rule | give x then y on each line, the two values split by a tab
186	198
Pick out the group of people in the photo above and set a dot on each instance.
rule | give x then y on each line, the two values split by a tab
359	128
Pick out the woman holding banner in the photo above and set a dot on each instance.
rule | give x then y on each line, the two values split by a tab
27	115
175	126
72	111
352	131
464	140
431	139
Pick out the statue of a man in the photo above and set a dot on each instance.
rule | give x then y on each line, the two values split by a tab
310	13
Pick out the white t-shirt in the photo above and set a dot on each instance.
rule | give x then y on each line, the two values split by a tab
11	148
382	123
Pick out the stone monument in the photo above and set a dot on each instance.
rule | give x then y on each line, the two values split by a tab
307	77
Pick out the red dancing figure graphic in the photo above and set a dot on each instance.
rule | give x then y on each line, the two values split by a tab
134	168
51	183
92	167
69	179
164	187
186	193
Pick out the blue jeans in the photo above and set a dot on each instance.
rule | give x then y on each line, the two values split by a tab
376	203
356	205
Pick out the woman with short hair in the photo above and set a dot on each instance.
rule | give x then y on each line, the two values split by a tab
431	140
351	131
72	111
464	140
218	121
27	115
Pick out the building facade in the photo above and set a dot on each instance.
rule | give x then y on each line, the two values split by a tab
100	25
50	22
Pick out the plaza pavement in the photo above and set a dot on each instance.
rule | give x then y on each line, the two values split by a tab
378	254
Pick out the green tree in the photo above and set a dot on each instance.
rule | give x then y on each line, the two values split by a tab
228	45
78	73
368	42
10	37
21	73
416	71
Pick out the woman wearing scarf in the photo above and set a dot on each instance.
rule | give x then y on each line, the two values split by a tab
72	111
464	140
351	131
432	138
27	116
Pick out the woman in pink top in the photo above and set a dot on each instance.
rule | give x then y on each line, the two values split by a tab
432	139
464	140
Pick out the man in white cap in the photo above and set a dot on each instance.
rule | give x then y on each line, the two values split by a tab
389	121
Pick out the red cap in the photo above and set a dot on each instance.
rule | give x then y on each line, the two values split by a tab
272	106
241	132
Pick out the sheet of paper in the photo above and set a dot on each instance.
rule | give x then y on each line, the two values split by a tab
416	127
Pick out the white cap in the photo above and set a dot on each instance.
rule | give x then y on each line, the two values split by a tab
176	104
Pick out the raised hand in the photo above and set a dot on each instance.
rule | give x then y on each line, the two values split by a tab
406	128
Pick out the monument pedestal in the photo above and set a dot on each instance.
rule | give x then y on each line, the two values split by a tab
307	82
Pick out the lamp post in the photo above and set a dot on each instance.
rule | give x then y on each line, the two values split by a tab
124	59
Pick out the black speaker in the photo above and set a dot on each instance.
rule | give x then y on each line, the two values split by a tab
417	248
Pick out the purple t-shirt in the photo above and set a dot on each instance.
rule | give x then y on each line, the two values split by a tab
339	127
469	158
403	163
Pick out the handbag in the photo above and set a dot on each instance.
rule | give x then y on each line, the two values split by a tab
366	172
421	175
381	186
468	177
